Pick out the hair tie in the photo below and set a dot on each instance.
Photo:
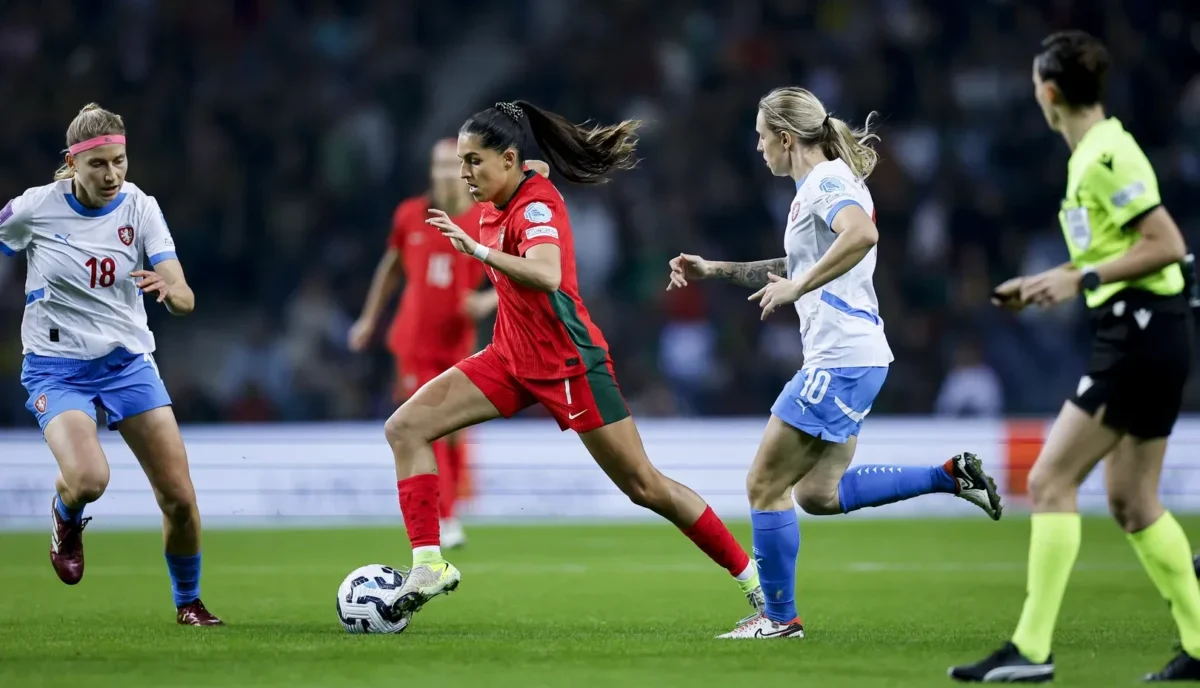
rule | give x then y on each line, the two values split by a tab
825	123
512	110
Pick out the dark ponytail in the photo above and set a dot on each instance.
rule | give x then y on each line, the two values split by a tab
1078	65
581	153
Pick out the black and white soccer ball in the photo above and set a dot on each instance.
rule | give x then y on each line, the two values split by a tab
364	600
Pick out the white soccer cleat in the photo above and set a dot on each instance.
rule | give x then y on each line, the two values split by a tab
759	627
757	599
975	486
424	583
453	534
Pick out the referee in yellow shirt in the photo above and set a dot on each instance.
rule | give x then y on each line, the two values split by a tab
1125	254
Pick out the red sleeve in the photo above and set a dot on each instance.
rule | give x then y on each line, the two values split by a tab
402	219
541	221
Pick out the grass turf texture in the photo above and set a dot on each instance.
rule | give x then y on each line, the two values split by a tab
887	603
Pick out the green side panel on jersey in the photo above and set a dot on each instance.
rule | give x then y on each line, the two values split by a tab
1110	183
609	402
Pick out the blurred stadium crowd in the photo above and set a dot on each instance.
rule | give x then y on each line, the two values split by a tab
278	136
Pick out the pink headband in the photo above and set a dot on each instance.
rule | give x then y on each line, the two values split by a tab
96	142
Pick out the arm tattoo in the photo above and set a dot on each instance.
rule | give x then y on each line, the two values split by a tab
752	275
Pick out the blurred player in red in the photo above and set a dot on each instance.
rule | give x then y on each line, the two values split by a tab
434	327
545	349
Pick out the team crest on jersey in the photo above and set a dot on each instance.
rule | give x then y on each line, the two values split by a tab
795	213
125	234
40	404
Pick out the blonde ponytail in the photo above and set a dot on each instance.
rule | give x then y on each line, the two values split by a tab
798	111
851	145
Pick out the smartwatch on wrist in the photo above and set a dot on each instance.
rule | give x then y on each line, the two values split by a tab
1089	280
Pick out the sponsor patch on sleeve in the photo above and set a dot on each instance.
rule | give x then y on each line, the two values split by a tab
541	231
1128	194
831	185
538	213
832	199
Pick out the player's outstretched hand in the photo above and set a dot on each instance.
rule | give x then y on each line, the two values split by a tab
152	283
686	267
1008	295
1052	287
539	166
480	304
778	292
462	242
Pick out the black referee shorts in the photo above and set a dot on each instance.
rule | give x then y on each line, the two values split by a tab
1141	356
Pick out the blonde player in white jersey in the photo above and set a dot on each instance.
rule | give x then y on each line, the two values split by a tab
95	244
810	438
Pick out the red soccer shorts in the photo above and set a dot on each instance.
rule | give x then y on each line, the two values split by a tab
582	403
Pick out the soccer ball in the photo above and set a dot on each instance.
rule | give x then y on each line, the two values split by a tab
364	600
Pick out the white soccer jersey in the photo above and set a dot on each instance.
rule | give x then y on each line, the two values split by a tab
839	323
80	300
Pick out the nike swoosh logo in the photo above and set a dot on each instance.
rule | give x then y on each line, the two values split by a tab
573	416
785	631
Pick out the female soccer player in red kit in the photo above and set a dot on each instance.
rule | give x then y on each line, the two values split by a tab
545	348
434	327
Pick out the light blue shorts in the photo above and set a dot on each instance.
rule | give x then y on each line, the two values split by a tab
125	384
829	403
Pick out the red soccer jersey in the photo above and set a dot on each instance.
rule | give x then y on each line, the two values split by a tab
430	326
539	336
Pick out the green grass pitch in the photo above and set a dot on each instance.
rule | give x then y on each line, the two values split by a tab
886	603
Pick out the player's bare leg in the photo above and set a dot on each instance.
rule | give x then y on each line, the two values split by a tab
448	403
82	478
154	439
1132	475
1075	445
617	448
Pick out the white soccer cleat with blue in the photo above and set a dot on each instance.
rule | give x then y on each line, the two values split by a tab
974	485
759	627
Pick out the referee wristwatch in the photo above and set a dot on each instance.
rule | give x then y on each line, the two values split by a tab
1089	279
